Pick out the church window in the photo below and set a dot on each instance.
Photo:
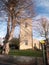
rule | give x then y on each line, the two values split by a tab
26	42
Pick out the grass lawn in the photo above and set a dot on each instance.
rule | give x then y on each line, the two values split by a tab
33	53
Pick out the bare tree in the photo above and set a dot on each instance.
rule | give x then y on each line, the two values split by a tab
42	27
15	10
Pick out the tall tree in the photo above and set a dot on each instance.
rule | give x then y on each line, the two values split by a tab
15	10
42	27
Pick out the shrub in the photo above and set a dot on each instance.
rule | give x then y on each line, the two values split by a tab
14	43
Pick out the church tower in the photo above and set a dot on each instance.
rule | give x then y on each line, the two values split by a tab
26	34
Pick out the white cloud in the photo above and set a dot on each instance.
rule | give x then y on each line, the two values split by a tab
41	16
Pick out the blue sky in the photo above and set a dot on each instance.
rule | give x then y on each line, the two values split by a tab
42	9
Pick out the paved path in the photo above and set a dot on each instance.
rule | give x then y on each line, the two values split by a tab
5	63
4	60
20	60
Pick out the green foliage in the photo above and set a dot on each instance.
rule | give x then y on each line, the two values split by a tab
33	53
14	43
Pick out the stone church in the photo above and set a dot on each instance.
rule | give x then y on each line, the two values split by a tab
26	41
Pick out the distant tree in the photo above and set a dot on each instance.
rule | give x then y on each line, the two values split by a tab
15	10
42	27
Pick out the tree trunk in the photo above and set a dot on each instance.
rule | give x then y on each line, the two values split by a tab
7	49
6	43
9	36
